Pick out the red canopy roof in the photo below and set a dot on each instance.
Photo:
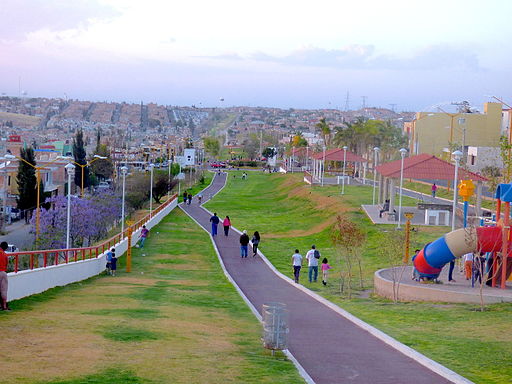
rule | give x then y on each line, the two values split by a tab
427	167
336	154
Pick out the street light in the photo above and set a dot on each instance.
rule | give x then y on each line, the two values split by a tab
151	166
323	167
70	168
376	151
4	212
344	162
124	171
38	178
403	152
457	155
95	157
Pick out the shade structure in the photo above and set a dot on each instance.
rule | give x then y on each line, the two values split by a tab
425	167
337	154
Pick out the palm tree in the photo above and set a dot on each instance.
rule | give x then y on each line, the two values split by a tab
325	131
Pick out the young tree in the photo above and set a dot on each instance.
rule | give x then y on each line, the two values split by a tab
80	157
27	181
348	239
392	250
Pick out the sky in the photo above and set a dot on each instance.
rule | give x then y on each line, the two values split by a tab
289	54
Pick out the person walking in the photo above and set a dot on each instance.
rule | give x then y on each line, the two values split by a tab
199	198
113	262
255	242
143	235
244	242
297	265
450	271
189	198
215	221
185	197
226	224
325	270
434	190
312	257
4	285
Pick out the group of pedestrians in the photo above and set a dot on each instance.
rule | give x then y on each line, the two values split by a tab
187	198
312	257
244	243
244	237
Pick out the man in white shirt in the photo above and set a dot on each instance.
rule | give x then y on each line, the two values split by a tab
312	257
297	264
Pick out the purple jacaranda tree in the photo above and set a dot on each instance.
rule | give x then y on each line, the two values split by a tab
91	219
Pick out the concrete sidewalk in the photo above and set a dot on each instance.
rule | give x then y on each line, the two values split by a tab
331	348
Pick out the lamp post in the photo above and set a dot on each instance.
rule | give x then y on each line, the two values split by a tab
124	171
323	167
457	155
403	152
70	168
169	179
38	178
151	167
95	157
344	162
4	211
376	151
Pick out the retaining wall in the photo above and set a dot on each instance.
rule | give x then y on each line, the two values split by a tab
30	282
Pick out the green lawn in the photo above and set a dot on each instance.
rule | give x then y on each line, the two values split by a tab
290	215
175	318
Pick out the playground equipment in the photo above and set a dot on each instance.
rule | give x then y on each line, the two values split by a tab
434	256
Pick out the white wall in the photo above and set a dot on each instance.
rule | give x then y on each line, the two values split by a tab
30	282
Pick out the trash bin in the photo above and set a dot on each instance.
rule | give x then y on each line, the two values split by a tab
275	326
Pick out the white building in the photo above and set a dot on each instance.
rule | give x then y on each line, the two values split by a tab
481	157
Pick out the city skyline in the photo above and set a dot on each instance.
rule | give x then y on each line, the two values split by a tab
282	55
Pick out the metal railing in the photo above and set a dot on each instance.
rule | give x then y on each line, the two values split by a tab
28	260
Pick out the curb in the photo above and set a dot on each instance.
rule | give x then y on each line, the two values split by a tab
253	309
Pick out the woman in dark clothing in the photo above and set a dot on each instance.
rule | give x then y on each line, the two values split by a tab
255	241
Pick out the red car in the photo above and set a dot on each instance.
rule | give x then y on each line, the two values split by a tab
218	165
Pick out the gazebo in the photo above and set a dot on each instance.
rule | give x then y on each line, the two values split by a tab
335	154
422	167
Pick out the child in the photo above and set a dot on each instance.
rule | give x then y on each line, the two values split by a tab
325	270
109	261
113	262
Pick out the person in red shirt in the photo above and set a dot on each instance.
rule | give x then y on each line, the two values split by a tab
4	259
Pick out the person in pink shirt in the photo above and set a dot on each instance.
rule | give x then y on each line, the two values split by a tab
226	224
325	270
434	189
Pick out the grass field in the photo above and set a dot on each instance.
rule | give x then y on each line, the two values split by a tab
290	215
175	318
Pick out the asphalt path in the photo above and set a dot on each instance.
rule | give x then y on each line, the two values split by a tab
329	347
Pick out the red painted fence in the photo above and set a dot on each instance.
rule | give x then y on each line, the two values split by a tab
19	261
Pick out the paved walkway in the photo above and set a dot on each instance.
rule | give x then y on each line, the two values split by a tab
331	348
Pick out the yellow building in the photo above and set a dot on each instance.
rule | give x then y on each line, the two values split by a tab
435	133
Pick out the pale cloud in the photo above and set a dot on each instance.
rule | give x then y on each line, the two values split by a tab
355	56
20	18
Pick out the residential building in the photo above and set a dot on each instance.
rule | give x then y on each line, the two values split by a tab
435	133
